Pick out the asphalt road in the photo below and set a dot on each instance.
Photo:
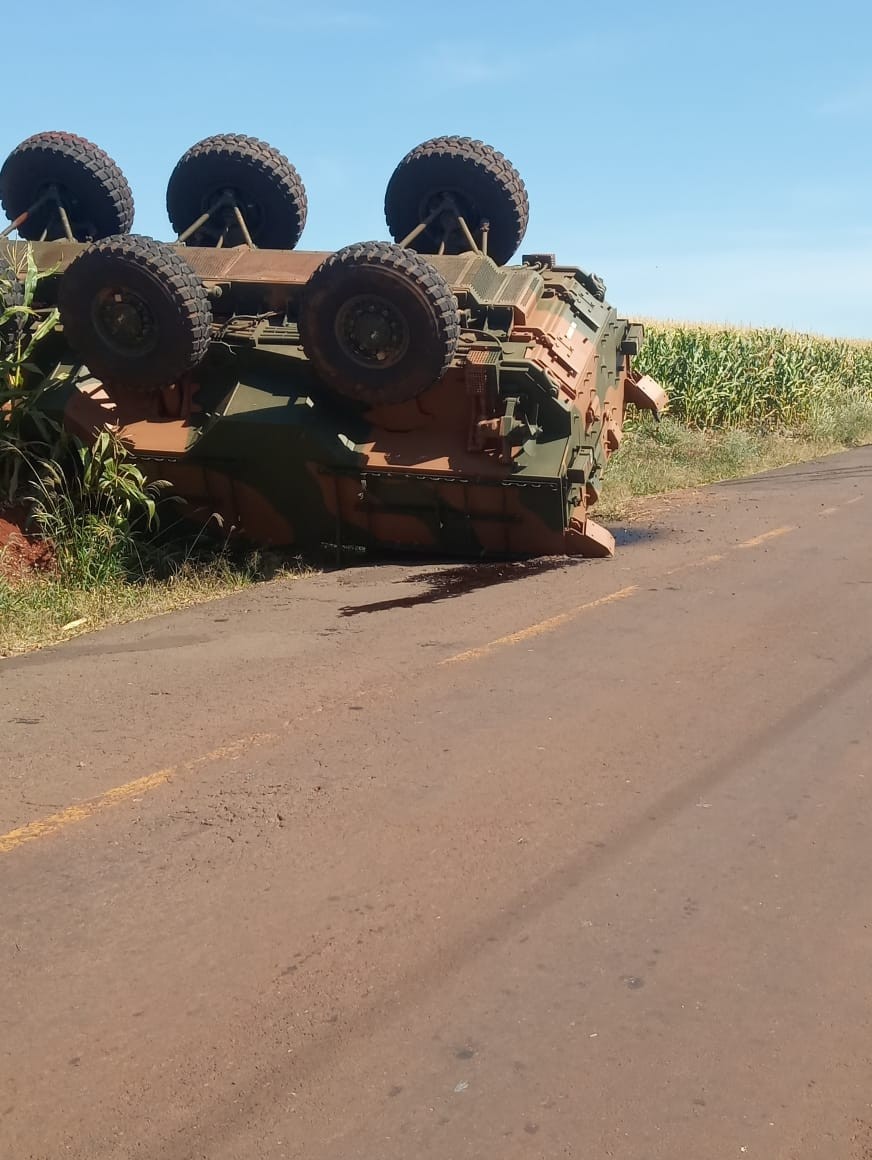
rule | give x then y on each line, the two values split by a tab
399	863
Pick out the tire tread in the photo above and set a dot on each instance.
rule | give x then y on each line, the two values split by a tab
93	161
420	274
263	158
482	158
165	265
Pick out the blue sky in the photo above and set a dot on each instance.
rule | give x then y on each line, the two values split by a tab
710	162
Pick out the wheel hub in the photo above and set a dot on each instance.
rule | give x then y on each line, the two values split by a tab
445	207
222	205
124	322
372	331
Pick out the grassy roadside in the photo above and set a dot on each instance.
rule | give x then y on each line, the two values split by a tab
740	402
670	455
45	609
654	459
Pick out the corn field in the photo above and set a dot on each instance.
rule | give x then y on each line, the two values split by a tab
767	380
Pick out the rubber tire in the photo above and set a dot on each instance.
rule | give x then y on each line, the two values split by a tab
271	191
95	192
161	276
483	178
414	287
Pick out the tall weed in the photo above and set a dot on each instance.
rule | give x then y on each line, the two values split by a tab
26	432
100	516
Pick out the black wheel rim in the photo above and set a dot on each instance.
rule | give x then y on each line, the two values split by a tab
371	331
124	322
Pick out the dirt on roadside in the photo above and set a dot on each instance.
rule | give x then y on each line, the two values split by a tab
21	552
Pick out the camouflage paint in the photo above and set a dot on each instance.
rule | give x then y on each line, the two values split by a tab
503	456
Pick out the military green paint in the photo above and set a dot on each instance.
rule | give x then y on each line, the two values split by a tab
263	420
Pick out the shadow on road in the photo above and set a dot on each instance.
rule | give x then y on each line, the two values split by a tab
448	583
458	580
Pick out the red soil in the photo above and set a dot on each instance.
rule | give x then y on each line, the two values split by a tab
21	553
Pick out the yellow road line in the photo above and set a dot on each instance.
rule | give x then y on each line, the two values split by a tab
542	627
564	617
132	789
831	511
757	540
122	793
715	559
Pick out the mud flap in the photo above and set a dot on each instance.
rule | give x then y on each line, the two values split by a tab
588	538
646	394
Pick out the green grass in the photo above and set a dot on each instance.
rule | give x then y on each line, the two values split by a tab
45	609
663	457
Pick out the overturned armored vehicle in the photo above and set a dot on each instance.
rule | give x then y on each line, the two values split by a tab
420	395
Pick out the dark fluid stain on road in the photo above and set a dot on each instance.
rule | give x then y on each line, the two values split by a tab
452	582
627	534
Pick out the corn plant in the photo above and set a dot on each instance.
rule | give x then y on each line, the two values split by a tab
761	379
25	431
100	515
92	501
